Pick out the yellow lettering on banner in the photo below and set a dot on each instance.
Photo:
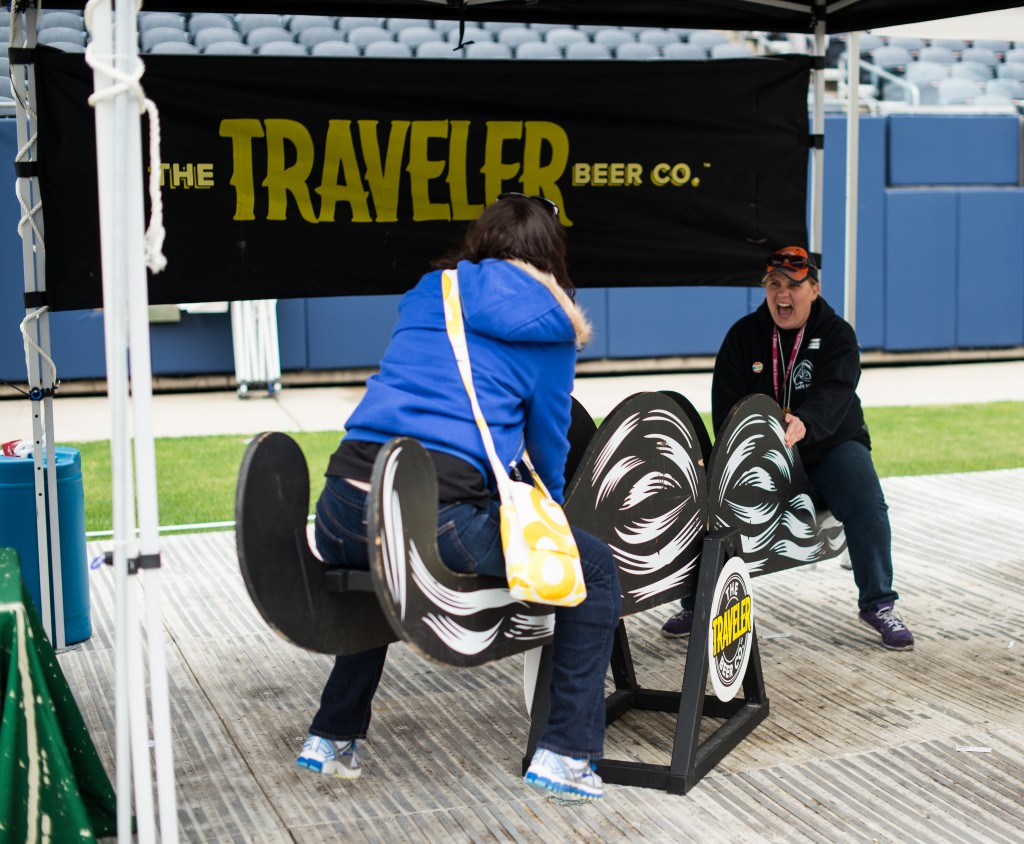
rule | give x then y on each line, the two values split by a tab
241	131
422	169
677	174
282	180
659	175
383	180
542	179
716	627
580	174
340	157
634	172
204	175
495	170
458	188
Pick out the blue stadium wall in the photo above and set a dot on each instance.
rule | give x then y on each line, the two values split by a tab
940	266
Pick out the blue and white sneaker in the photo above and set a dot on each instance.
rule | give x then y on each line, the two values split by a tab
569	780
330	758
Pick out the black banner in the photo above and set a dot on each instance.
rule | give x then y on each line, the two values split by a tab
322	177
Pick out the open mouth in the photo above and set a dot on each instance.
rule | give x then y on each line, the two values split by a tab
784	310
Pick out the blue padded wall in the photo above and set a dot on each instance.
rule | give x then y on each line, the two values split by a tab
199	343
595	304
869	317
990	268
291	332
654	321
920	269
348	332
954	150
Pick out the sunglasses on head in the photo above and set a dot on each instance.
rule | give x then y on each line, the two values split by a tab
785	259
547	203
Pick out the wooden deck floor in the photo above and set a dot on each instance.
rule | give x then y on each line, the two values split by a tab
861	744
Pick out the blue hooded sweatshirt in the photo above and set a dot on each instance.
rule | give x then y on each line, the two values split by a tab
522	336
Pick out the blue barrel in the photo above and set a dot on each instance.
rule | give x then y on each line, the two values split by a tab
18	531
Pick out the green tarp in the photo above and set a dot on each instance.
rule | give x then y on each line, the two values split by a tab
52	785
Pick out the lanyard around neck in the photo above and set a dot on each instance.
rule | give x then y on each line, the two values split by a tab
786	385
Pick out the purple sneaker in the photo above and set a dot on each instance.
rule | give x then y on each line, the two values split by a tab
679	625
895	634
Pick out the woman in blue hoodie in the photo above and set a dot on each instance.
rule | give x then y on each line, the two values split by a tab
523	330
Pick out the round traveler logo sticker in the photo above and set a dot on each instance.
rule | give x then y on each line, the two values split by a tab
731	631
758	368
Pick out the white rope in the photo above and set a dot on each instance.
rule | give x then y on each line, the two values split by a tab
131	83
31	344
28	215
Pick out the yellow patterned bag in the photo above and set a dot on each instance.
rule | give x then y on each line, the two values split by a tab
542	562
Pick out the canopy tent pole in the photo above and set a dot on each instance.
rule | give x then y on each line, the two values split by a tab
852	175
117	100
818	133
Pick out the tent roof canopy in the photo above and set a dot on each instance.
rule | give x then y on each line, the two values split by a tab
765	15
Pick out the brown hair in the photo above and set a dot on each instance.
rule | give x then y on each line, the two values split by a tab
516	227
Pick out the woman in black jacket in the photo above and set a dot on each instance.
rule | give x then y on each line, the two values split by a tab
795	348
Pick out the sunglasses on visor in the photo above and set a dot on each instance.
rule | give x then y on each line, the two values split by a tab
547	203
784	259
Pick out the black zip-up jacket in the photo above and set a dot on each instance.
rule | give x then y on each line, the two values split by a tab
826	373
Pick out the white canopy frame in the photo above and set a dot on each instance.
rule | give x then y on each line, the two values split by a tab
119	163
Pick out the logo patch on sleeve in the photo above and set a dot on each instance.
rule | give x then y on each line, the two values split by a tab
758	367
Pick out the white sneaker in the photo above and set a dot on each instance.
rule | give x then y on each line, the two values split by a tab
330	758
569	780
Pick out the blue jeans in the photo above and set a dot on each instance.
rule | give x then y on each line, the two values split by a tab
469	541
848	484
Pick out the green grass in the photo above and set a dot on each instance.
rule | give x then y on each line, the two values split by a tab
196	475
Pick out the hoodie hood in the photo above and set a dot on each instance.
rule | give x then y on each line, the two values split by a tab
514	301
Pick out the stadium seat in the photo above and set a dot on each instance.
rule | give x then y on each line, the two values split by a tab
538	50
892	59
347	24
65	35
971	70
730	51
300	23
178	48
1011	70
565	36
363	35
516	35
57	18
416	35
160	34
1014	55
66	46
587	51
151	20
281	48
954	45
488	50
335	49
908	43
247	22
612	37
318	35
471	33
497	27
926	76
637	52
869	42
445	26
954	91
1012	88
227	48
994	100
261	35
387	50
706	38
198	21
657	37
684	52
396	25
438	50
211	35
937	54
979	55
546	27
996	45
